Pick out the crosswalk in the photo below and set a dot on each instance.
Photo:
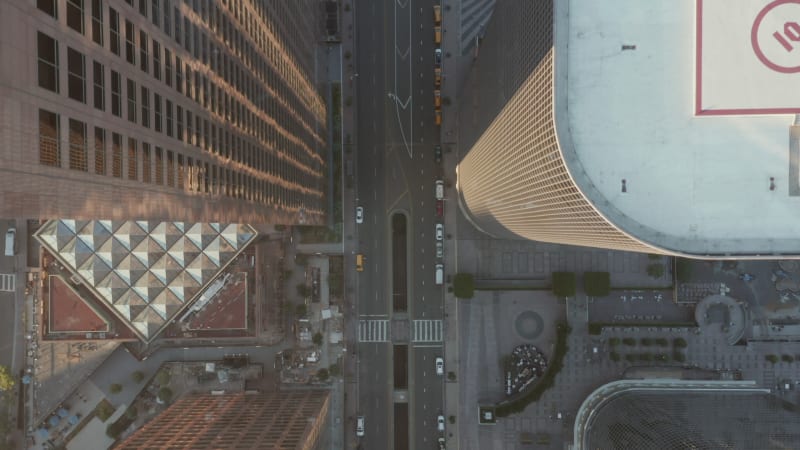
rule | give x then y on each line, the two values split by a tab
427	331
373	330
8	282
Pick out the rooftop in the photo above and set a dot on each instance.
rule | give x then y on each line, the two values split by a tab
680	126
146	272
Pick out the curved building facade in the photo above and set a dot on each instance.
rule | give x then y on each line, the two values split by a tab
590	138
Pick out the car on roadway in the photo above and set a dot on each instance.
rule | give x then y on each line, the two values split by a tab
439	208
439	249
359	214
439	366
439	231
437	153
360	426
440	423
441	443
439	189
438	56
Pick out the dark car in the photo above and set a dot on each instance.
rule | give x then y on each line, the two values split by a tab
437	54
439	207
437	153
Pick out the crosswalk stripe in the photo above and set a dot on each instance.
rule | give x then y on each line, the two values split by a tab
7	282
373	330
427	331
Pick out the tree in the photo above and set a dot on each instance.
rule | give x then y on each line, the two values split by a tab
301	310
679	342
163	377
655	271
165	394
678	356
614	341
771	358
661	342
317	338
131	412
597	284
564	284
303	290
464	285
451	376
323	374
137	376
630	342
452	419
7	382
104	410
787	358
630	357
646	342
614	356
115	388
335	370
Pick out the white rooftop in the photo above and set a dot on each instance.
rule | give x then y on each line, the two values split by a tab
696	119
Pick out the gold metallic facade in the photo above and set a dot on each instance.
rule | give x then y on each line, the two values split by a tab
514	180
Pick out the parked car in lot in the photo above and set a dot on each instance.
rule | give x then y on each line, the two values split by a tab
360	426
359	214
437	153
439	366
440	423
439	231
439	249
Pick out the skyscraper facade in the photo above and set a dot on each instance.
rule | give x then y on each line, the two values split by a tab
581	127
274	420
195	110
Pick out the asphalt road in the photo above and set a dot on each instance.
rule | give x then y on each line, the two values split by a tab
395	172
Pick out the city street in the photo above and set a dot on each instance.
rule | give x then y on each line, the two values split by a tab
395	172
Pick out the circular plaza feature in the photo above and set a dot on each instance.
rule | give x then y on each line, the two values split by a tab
529	325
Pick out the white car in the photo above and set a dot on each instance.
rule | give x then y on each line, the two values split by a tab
440	423
360	426
440	366
359	214
439	231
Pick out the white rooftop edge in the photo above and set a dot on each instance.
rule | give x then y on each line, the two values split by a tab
698	170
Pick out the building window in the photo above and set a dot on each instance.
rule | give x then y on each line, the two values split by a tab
159	166
181	171
170	169
49	142
130	45
48	62
178	74
189	135
154	12
113	25
169	117
145	107
48	6
77	146
187	35
99	86
99	151
177	17
97	22
188	81
144	58
168	67
157	60
145	162
179	117
166	20
131	100
143	7
76	75
116	94
116	155
75	15
157	104
132	156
